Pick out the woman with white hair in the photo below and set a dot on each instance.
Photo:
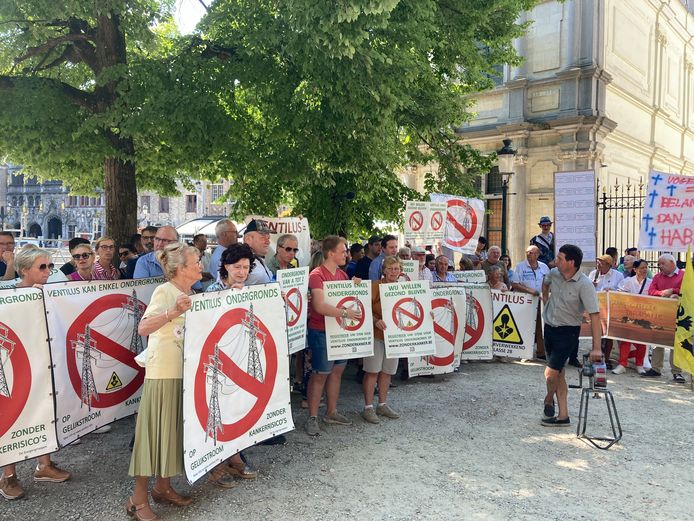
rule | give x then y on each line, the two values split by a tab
158	448
33	266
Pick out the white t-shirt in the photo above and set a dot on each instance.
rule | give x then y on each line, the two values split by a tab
608	281
530	278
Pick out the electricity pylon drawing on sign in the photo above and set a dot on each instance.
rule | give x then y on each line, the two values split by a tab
471	315
250	322
401	322
85	344
135	309
6	345
215	378
450	311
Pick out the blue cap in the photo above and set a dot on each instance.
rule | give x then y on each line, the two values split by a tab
545	220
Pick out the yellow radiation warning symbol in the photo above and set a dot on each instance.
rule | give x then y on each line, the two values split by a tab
114	382
505	328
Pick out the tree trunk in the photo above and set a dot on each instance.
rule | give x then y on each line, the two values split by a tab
120	191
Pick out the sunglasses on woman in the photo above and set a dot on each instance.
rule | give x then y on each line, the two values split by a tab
82	256
288	249
46	266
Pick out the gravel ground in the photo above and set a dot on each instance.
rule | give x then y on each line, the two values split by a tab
468	446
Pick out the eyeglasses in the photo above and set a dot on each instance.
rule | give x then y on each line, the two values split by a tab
82	256
46	266
289	250
233	232
107	247
165	241
147	237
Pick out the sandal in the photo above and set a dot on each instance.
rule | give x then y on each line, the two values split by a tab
220	478
141	512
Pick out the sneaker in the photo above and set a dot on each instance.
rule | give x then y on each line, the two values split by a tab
10	488
51	473
385	410
369	414
554	422
548	411
312	427
651	373
102	430
620	369
336	419
677	377
640	370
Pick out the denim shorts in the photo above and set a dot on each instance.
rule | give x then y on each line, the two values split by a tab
560	342
319	353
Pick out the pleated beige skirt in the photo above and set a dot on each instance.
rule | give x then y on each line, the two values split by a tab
158	449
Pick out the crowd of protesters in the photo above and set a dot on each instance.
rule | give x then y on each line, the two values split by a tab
157	251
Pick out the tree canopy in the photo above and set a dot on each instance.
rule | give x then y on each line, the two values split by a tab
296	101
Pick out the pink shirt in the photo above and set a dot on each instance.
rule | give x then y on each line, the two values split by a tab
662	282
102	274
315	281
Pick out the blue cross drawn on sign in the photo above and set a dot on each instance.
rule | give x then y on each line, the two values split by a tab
652	236
656	179
648	219
671	189
652	195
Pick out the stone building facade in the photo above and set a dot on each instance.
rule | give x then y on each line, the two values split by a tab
607	85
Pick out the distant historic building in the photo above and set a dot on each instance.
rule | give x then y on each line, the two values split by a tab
607	85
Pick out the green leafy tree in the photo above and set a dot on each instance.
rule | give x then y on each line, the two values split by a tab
346	93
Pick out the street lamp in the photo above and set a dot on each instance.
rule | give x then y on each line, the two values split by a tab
506	156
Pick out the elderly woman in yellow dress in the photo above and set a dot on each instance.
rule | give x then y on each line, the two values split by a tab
158	448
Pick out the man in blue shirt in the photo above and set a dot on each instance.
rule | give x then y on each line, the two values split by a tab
389	248
148	266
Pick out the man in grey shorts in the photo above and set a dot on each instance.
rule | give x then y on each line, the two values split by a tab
567	294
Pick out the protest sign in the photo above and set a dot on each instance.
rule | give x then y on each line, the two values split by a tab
410	270
27	411
235	374
424	221
641	318
94	340
667	223
407	313
294	284
448	307
348	338
514	323
472	277
283	225
464	221
586	331
478	322
575	211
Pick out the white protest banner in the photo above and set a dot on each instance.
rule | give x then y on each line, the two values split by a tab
424	221
464	221
514	323
448	306
575	211
472	276
478	322
294	284
407	313
94	340
410	270
416	221
347	338
667	223
235	374
27	411
283	225
55	276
